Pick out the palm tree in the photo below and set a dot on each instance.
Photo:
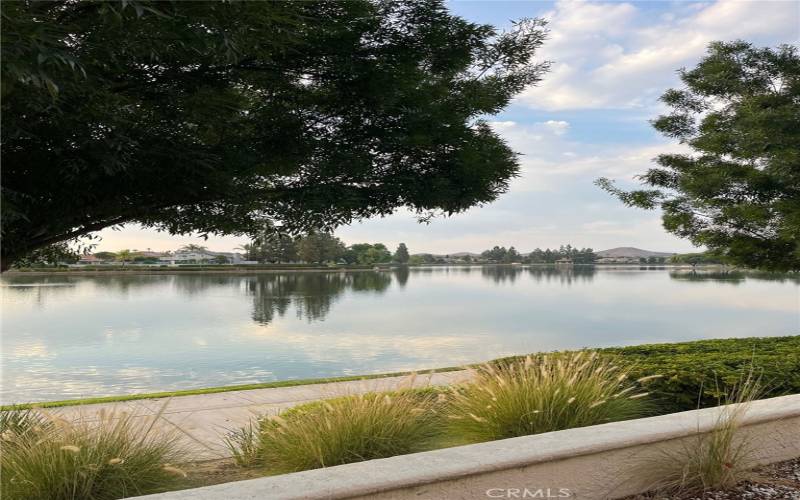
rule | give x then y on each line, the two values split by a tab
124	255
193	248
248	250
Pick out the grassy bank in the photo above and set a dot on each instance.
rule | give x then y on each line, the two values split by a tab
212	390
692	372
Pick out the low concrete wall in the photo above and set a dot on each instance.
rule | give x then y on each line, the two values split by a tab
602	461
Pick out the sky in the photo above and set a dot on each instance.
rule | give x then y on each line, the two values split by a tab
588	118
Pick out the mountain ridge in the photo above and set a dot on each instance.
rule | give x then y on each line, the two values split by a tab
631	252
617	252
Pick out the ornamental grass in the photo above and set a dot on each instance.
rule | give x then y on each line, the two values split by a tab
340	431
46	457
542	394
717	460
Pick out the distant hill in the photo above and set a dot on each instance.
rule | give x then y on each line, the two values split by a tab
631	252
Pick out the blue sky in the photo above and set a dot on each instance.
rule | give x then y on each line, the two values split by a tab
588	118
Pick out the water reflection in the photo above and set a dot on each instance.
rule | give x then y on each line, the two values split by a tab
72	336
732	277
310	294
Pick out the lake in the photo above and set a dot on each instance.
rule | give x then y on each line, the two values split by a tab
75	336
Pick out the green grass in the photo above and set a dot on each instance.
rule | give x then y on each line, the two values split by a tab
212	390
543	394
46	458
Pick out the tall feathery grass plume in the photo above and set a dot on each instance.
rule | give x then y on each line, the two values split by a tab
544	393
720	458
341	430
116	455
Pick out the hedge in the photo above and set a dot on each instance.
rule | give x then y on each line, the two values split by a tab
698	374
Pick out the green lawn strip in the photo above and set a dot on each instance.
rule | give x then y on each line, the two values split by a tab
692	372
214	390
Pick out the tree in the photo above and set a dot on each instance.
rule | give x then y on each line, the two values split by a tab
512	256
124	256
272	246
193	248
220	259
249	250
216	117
367	254
496	254
738	193
106	256
376	254
697	258
50	255
319	247
401	254
422	258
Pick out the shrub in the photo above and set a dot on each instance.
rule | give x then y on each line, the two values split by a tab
542	394
340	431
701	373
44	457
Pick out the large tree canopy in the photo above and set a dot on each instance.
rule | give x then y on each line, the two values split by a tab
739	192
219	117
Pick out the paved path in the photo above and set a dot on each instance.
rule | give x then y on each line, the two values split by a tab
204	419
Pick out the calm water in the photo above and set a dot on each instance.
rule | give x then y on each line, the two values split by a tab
77	336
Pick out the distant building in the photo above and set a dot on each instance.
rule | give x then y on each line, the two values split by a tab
564	261
89	260
200	257
150	255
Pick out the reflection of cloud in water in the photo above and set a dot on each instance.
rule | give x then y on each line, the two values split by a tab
35	349
426	350
125	334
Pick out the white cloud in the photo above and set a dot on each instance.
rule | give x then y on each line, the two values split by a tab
545	163
559	127
604	58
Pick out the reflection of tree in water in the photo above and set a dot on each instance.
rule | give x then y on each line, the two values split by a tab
564	275
733	277
196	284
501	274
401	275
311	294
42	288
371	281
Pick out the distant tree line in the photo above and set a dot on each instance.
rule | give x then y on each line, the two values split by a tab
538	256
700	258
652	260
320	247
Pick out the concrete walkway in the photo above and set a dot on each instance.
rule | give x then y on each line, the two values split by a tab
204	419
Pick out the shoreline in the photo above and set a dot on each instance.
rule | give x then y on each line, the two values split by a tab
731	348
111	271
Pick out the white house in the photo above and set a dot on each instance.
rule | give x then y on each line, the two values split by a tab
200	257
